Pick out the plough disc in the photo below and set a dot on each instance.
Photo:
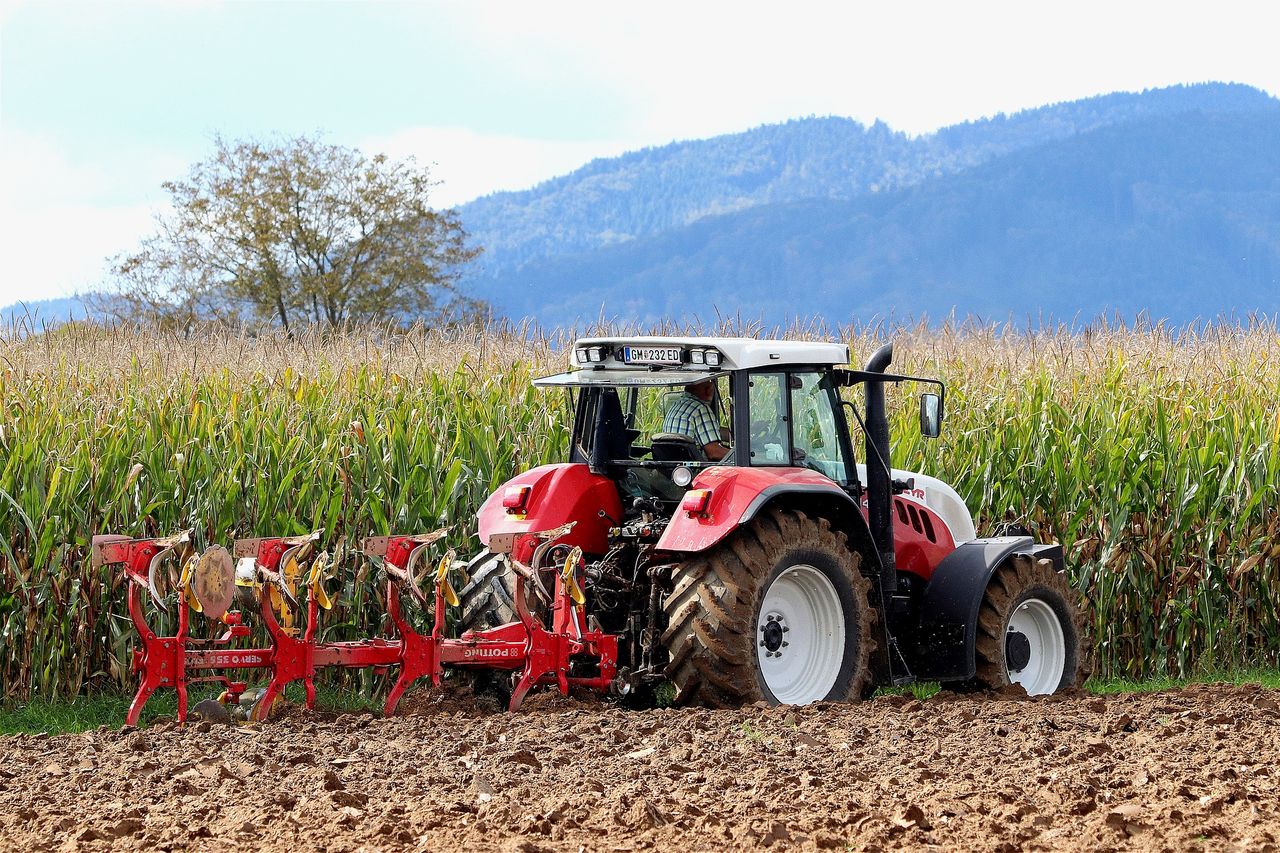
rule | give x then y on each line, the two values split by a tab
213	582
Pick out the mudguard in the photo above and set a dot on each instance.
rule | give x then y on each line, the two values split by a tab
560	493
921	538
739	494
953	597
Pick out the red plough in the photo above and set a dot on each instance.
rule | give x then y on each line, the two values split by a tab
569	654
177	660
272	572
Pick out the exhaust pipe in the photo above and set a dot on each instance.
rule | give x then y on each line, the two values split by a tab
879	480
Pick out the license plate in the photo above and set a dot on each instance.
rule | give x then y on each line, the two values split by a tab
652	355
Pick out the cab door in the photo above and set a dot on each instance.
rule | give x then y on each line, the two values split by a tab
819	436
795	420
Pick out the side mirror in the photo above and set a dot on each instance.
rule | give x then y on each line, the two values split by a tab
930	415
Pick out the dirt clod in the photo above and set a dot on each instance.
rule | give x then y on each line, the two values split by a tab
525	757
912	817
128	826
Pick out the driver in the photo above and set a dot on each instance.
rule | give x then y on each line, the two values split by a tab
690	414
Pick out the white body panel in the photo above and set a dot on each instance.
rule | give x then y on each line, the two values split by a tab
939	497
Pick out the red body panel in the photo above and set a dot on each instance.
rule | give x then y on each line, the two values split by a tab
561	493
732	491
921	538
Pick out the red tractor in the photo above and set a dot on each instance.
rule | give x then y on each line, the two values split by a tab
762	562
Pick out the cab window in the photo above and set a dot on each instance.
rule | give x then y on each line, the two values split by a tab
815	438
767	405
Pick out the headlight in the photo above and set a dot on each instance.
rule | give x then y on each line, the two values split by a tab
596	353
697	356
580	355
713	357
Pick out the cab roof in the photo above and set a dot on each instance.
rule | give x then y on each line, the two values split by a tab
736	353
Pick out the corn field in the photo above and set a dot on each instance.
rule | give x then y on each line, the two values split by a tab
1151	453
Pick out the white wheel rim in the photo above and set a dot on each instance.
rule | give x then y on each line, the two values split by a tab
800	636
1036	621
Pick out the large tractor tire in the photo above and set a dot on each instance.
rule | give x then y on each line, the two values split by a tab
488	598
1031	630
778	612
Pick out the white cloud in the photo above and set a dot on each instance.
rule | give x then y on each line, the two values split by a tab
61	216
470	164
62	249
696	69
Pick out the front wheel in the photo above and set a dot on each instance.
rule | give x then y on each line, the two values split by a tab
778	612
1030	630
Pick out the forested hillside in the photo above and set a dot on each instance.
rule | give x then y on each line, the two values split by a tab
1164	200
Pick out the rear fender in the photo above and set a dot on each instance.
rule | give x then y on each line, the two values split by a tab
738	495
560	493
951	601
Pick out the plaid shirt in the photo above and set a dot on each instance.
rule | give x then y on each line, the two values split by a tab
689	416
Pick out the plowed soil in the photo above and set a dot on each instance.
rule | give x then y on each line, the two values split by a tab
1183	770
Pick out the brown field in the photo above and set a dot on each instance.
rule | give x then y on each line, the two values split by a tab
1188	769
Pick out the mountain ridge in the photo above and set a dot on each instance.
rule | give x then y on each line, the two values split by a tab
1118	218
612	200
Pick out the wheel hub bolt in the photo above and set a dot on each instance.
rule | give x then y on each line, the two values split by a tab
771	635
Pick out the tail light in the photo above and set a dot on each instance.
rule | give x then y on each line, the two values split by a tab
516	499
696	501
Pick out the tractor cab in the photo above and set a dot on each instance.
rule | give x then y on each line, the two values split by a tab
769	405
654	412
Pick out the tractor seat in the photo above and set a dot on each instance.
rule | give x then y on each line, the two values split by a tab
675	447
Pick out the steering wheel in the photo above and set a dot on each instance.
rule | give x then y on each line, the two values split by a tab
766	432
763	433
802	459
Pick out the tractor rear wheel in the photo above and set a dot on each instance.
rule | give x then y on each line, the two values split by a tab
778	612
1031	630
488	598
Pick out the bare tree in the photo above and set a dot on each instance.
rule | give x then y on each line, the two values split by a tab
299	231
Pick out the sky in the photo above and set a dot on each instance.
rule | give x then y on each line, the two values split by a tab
100	102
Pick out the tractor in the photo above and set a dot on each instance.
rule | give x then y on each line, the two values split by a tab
712	529
785	570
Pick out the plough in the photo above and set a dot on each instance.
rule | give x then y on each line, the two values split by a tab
270	574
